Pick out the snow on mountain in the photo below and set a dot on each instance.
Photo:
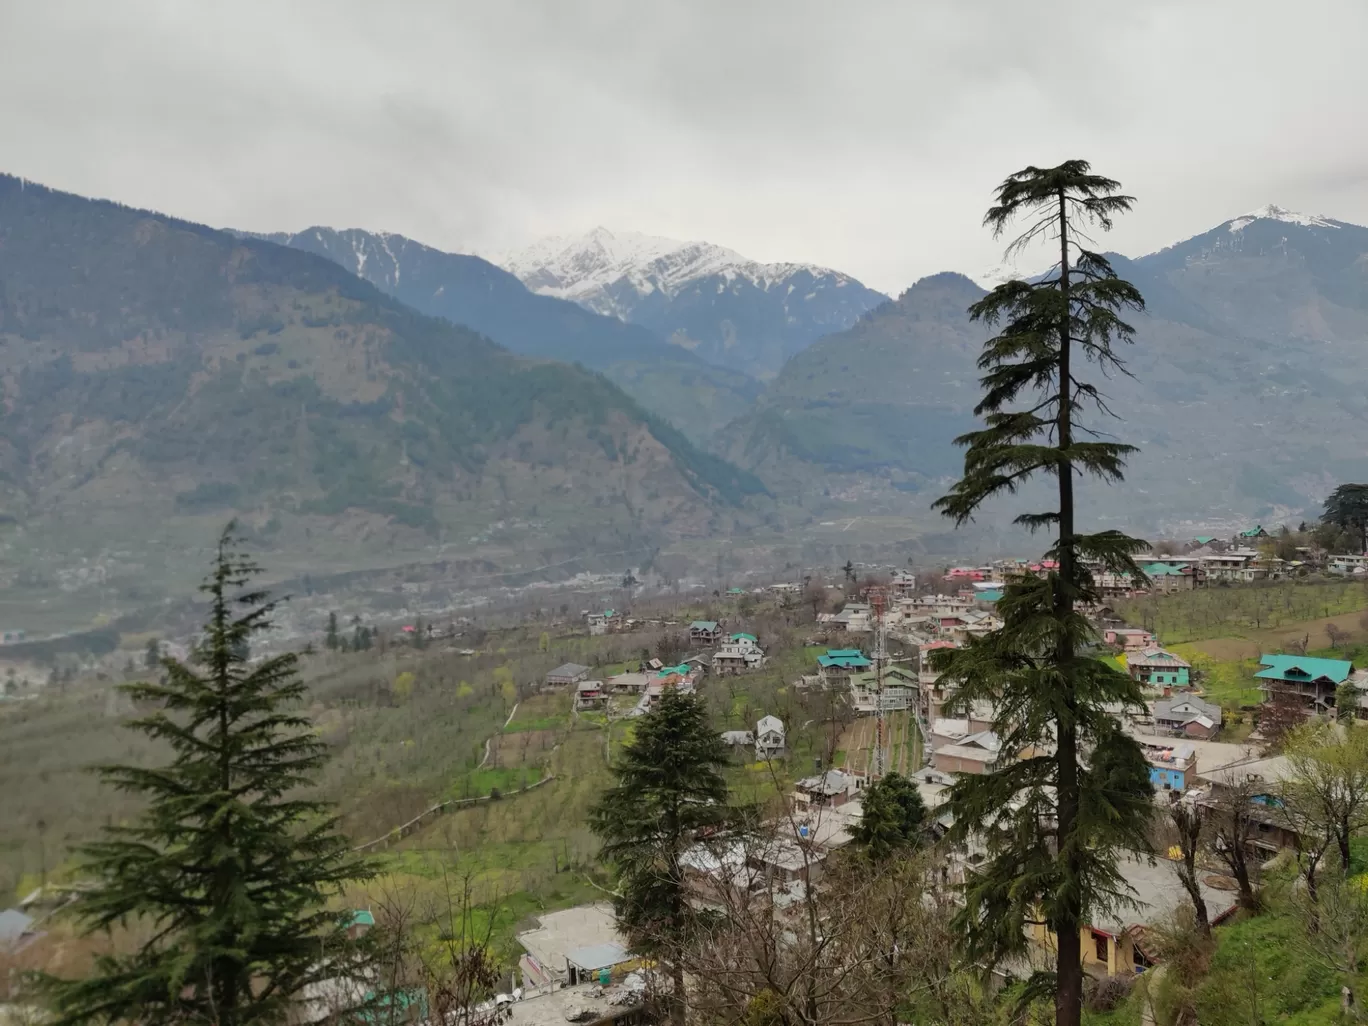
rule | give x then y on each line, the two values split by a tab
729	310
592	269
1270	212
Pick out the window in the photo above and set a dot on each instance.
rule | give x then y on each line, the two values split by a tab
1100	946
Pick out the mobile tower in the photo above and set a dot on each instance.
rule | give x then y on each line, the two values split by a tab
878	601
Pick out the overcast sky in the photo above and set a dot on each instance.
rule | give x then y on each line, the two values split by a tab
864	135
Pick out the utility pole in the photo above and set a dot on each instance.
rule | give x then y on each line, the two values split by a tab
877	600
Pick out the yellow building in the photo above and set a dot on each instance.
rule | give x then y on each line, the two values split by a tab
1113	941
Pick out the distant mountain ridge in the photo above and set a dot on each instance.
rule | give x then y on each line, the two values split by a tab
162	376
732	311
1248	397
677	385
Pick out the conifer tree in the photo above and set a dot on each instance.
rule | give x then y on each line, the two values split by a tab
227	871
669	788
893	818
1056	819
331	639
1347	509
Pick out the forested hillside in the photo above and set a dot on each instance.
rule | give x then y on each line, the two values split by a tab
1246	400
161	377
674	383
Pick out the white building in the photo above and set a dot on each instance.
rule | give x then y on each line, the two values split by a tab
769	738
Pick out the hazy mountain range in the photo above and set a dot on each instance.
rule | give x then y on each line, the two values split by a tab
1248	398
361	400
162	376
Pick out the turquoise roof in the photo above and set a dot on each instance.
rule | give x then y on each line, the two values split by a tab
748	637
1204	539
988	596
736	591
703	625
362	917
848	658
683	669
1253	532
1294	668
1163	570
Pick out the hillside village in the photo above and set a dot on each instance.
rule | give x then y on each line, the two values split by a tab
864	664
1181	732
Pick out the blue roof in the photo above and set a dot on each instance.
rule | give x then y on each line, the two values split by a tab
849	658
1294	668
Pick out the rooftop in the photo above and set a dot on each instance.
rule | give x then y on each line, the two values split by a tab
831	782
703	625
1296	668
1156	657
599	956
570	930
849	658
1156	894
1272	770
568	670
1163	570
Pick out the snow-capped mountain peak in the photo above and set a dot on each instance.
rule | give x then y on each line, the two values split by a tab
574	267
583	267
730	310
1270	212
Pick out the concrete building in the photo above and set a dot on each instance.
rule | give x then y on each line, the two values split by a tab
1114	943
573	946
1172	767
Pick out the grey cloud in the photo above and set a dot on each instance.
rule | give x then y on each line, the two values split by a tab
867	136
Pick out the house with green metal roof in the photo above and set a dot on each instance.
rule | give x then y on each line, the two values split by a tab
743	636
847	658
1167	577
1310	682
1204	539
837	664
1159	668
1256	531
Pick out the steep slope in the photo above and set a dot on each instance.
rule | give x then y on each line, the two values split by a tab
730	310
1274	274
160	376
882	401
681	387
1247	399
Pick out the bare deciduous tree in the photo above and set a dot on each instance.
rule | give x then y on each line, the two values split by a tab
1189	822
1231	819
